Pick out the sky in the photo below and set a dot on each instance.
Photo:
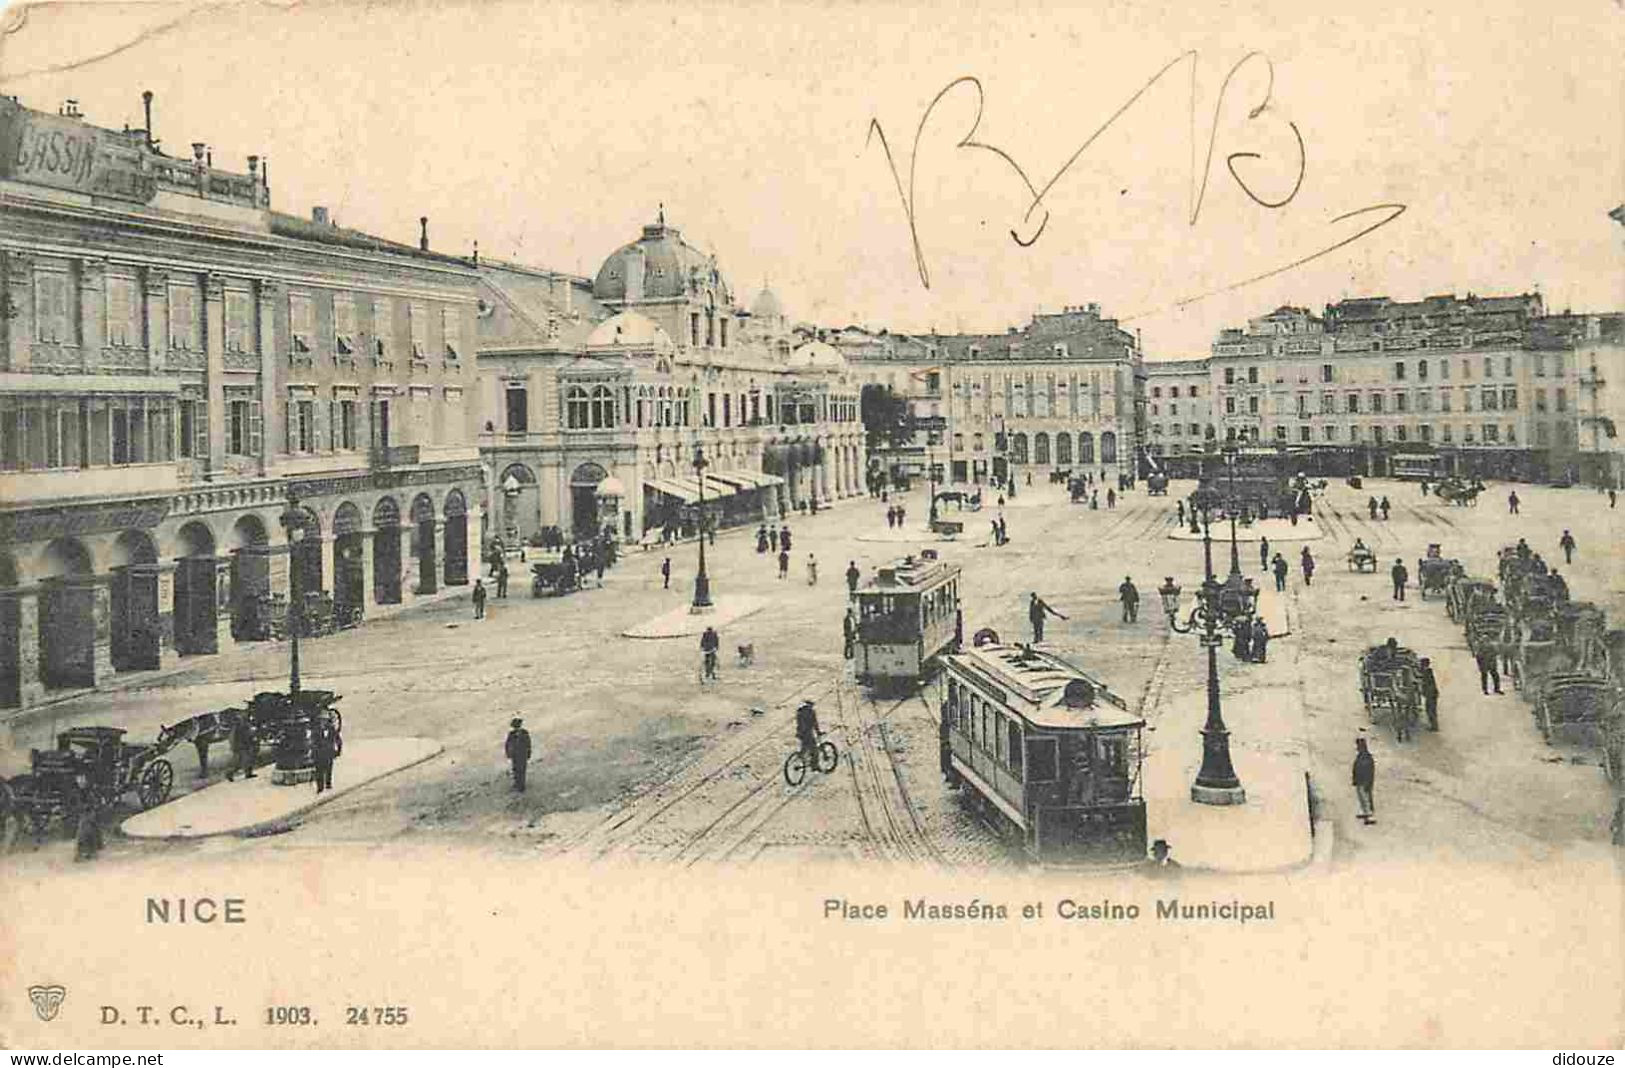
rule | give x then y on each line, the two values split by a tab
1479	145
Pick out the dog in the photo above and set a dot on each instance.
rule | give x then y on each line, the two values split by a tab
747	655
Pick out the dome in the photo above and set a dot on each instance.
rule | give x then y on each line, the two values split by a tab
766	306
630	329
818	356
662	266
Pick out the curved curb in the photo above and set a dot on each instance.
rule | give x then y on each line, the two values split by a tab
277	823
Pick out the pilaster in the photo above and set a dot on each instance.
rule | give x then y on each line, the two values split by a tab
225	641
30	687
369	596
19	279
92	310
155	288
267	296
102	613
214	375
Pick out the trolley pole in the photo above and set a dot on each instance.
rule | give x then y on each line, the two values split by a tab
702	581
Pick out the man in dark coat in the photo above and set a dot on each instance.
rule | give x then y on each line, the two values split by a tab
1279	564
773	538
1400	576
1264	554
502	580
1566	543
784	560
517	750
1488	670
852	576
1036	610
1261	640
245	749
324	748
1365	778
1385	507
665	573
1512	503
1430	692
849	634
1130	598
710	642
479	599
1307	560
1242	647
784	538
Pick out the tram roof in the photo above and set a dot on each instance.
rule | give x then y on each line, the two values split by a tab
1037	683
911	573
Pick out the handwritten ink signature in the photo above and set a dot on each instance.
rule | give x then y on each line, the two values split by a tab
1198	178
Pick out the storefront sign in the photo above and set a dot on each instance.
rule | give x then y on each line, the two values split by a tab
65	153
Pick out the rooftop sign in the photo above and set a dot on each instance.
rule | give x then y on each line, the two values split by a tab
64	153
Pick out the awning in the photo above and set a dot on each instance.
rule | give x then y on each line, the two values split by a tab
715	487
688	494
749	480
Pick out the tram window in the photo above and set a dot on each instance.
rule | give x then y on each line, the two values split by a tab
998	739
953	694
1014	748
1113	757
1042	760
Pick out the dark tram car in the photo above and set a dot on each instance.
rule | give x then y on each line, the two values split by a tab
1051	755
908	615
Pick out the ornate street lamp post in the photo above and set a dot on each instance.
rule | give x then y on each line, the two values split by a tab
931	474
1216	783
293	524
702	581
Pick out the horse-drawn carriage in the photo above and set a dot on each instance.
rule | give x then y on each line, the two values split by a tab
1458	492
1434	573
558	576
273	715
1570	699
1060	478
1390	685
1078	489
1466	592
1361	558
91	767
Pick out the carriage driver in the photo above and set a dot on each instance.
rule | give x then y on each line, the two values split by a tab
807	732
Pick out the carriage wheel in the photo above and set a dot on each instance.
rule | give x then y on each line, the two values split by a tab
155	783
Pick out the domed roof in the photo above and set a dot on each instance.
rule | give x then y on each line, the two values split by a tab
818	356
630	329
766	305
669	266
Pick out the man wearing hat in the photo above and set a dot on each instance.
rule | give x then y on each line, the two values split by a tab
1161	863
517	748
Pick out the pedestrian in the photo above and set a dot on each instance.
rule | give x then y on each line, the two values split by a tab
1613	497
1371	507
995	525
1161	864
1242	645
1001	500
1430	692
784	563
1264	555
502	581
812	570
1512	502
479	599
1424	487
1004	531
88	839
1094	500
517	749
1180	515
710	529
1261	639
773	538
891	518
665	573
1036	609
1365	777
324	749
1279	565
710	642
245	749
1307	562
1130	598
902	516
761	539
1111	499
849	633
1488	670
1400	576
598	555
1568	547
1029	478
852	576
1384	506
784	539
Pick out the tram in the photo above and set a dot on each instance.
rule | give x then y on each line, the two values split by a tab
908	616
1050	754
1416	466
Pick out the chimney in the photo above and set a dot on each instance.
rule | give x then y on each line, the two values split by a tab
423	233
209	158
146	104
318	215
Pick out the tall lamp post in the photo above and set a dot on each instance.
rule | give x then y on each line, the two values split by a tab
1216	783
1230	453
931	476
702	581
293	524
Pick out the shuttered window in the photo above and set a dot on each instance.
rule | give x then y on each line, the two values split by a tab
239	322
123	312
183	318
51	322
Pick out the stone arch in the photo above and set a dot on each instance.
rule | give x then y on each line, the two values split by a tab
132	547
1108	447
70	623
346	519
386	513
1086	447
1041	448
454	540
248	531
521	510
1063	448
424	549
134	628
1018	448
386	551
349	557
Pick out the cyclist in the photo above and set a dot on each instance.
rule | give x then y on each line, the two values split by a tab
709	644
807	732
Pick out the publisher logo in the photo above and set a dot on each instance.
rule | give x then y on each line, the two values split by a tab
47	1000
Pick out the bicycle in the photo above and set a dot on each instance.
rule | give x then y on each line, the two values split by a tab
795	765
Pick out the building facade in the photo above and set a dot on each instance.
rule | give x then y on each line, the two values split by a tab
1067	390
598	392
176	357
1485	384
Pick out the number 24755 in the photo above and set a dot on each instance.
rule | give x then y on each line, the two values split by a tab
384	1015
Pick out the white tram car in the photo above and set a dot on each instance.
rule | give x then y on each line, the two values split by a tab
1052	755
908	615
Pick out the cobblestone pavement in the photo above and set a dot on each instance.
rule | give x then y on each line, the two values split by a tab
638	759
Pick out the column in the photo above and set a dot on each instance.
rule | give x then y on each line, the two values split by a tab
475	545
369	596
19	329
167	656
101	664
330	573
409	561
30	687
214	374
156	288
224	641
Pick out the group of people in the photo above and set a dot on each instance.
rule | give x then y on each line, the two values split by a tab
894	516
1001	532
1374	506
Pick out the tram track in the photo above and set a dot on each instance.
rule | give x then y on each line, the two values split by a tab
890	818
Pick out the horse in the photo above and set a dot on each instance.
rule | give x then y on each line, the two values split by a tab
202	731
